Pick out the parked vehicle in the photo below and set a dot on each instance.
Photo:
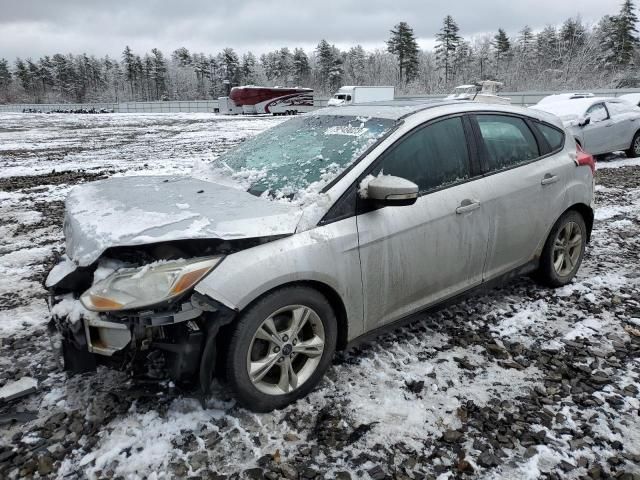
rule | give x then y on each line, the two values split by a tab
351	95
600	125
559	97
483	92
252	100
313	233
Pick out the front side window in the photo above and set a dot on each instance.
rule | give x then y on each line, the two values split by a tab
508	141
433	157
597	113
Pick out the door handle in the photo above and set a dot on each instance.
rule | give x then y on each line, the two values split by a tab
467	206
609	125
549	179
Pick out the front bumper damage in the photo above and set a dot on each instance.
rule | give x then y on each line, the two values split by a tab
183	334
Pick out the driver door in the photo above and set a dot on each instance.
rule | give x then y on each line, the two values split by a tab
413	256
597	134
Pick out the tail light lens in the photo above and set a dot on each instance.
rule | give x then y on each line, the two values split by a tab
583	158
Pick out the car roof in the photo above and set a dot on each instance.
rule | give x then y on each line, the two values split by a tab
391	109
575	106
399	109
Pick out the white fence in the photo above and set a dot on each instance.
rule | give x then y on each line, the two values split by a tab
125	107
517	98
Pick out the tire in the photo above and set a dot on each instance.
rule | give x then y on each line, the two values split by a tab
634	150
560	262
252	346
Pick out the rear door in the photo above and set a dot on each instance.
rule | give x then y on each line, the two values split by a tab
413	256
525	184
625	123
598	134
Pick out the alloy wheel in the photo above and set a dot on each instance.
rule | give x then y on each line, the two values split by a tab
567	248
285	350
636	146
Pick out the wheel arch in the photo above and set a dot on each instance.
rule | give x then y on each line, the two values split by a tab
587	214
332	296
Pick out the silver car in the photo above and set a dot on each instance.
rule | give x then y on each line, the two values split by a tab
312	234
600	125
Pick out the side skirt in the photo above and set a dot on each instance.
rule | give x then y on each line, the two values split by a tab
483	287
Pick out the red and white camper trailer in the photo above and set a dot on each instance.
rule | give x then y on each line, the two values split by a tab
264	100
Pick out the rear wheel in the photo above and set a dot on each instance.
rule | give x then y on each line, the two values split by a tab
634	150
280	348
563	251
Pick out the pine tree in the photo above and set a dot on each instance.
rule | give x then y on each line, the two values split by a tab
181	56
249	69
336	72
5	77
448	42
526	42
128	61
547	47
326	59
285	66
403	45
21	72
356	64
572	35
230	64
158	73
625	39
301	69
501	48
269	62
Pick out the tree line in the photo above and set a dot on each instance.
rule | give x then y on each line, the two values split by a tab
571	55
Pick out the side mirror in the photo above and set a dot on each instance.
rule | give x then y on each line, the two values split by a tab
390	191
584	121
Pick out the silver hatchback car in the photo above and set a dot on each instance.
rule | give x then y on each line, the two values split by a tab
313	233
599	125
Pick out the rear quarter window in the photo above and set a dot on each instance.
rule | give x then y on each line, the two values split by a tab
554	136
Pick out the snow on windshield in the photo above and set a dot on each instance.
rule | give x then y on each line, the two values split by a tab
300	156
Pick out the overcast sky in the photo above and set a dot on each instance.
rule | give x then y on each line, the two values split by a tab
31	28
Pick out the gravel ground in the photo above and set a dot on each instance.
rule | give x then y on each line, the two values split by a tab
521	382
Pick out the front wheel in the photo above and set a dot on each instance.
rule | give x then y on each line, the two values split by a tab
280	348
563	252
634	150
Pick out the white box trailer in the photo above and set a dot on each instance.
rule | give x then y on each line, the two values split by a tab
252	100
350	95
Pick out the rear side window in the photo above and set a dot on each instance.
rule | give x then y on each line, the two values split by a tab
432	157
508	141
618	108
554	137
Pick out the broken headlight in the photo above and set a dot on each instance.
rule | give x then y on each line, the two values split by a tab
130	288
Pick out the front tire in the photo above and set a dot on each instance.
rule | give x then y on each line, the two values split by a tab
280	348
634	150
563	252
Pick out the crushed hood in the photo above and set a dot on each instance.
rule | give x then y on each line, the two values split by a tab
142	210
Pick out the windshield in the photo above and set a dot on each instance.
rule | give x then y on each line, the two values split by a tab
300	155
339	96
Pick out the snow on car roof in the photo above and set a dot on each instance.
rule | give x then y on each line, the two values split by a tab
392	109
577	106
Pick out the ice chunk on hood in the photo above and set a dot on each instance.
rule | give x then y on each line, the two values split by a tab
142	210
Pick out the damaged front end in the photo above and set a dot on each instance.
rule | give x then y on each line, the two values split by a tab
122	314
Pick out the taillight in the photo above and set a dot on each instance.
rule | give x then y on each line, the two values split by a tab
584	158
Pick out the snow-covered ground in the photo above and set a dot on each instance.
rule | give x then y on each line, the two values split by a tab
521	382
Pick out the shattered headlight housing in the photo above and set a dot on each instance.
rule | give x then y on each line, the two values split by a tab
130	288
